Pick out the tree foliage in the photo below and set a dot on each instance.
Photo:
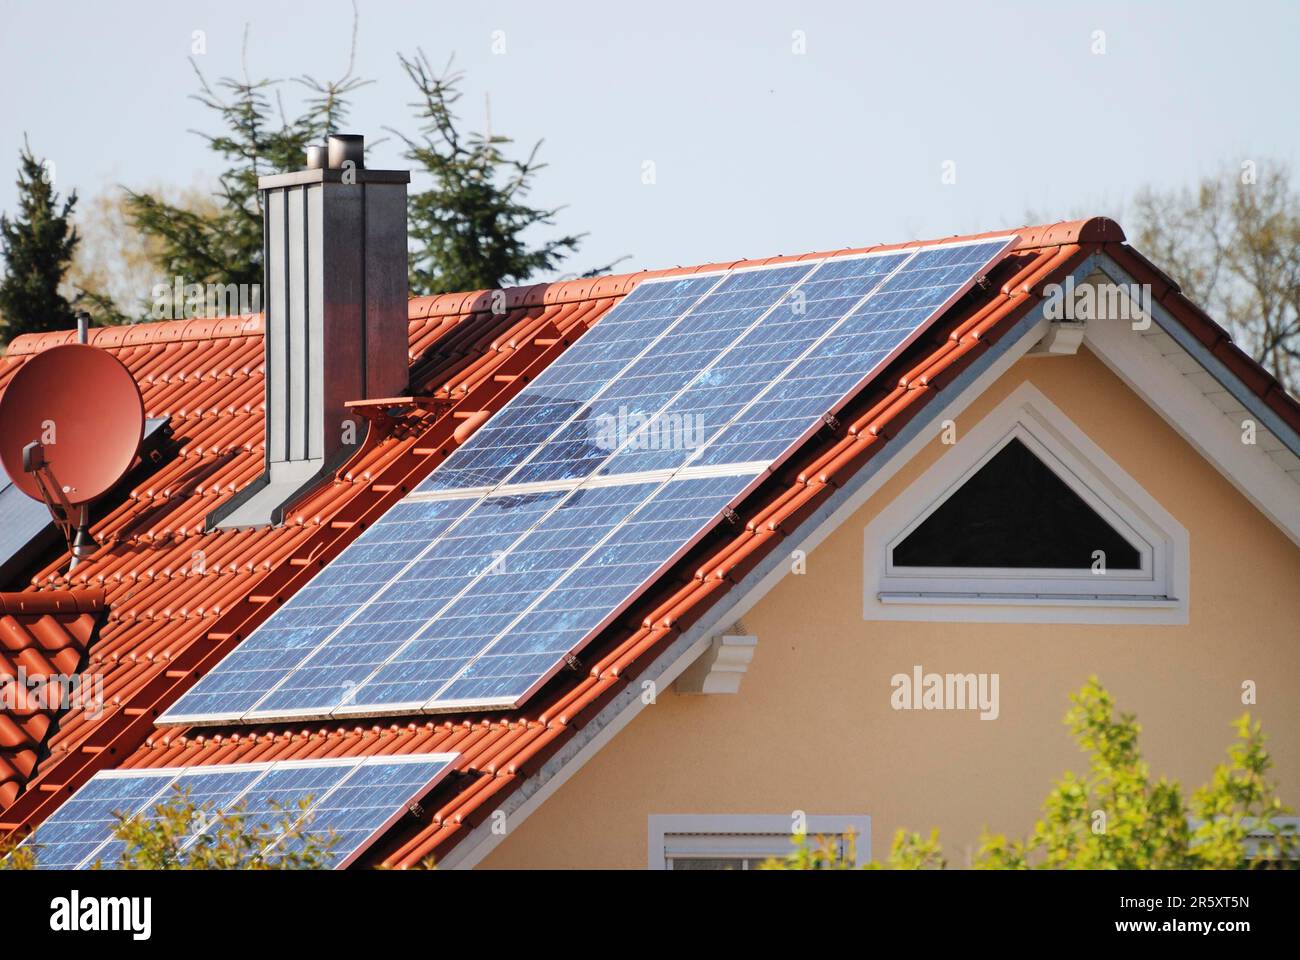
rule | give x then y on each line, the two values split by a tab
468	227
224	245
1115	817
1233	245
119	262
37	244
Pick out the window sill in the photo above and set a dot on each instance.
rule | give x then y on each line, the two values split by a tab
1030	600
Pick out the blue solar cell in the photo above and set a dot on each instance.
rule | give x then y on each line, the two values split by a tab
852	352
277	796
334	673
561	391
213	792
478	600
343	803
25	529
442	646
714	325
366	802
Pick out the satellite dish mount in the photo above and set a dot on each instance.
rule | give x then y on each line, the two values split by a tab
73	522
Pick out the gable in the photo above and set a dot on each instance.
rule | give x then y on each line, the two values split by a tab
1235	416
981	349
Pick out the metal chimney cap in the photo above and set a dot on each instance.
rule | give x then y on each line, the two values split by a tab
344	147
316	157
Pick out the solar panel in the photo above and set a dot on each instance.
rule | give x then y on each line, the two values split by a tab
717	396
690	352
844	361
25	530
368	803
354	800
592	592
430	647
213	789
552	518
626	335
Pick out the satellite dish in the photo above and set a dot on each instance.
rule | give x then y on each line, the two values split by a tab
71	419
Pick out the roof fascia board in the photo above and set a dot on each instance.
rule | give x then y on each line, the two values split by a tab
691	645
1208	361
1197	420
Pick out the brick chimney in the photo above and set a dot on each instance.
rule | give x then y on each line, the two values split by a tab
335	302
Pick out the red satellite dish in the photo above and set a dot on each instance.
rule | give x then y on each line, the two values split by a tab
83	408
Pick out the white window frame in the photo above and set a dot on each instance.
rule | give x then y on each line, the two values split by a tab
734	835
1256	839
1155	593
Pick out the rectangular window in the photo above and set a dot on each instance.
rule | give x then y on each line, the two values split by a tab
744	841
1259	841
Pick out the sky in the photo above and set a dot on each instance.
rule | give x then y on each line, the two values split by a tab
764	128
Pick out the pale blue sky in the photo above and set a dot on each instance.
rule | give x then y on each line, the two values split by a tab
757	150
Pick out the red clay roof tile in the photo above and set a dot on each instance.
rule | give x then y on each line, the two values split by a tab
42	636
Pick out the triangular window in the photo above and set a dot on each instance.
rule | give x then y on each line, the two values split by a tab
1015	512
1024	519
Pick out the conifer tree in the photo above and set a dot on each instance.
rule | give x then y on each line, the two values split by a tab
468	227
37	245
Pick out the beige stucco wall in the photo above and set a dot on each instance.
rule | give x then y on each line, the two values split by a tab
812	728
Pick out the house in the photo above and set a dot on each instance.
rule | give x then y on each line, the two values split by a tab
1066	469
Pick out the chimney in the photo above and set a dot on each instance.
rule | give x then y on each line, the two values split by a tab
335	307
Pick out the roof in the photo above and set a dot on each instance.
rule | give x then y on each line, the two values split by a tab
42	634
179	598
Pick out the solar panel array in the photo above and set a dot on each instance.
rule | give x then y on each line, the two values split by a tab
608	467
351	800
